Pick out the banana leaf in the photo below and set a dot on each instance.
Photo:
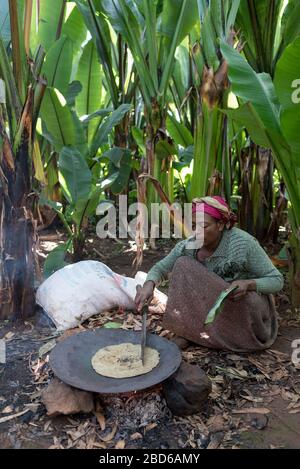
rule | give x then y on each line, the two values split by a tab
99	30
179	132
55	260
74	175
90	76
75	29
218	306
58	64
106	127
49	15
63	125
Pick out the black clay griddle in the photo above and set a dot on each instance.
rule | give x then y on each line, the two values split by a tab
70	361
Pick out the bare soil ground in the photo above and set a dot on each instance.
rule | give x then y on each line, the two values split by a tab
255	401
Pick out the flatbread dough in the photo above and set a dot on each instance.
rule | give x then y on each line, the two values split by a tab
124	360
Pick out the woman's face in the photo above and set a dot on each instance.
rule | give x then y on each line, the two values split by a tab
208	230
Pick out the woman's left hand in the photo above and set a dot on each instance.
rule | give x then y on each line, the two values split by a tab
243	287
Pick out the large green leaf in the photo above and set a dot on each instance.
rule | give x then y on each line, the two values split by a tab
138	136
121	182
181	73
260	92
246	116
58	64
121	15
73	90
208	41
198	63
185	18
258	21
108	181
125	22
75	29
89	75
286	73
89	207
291	21
286	80
170	15
120	168
185	157
50	14
256	88
150	11
179	133
216	13
74	175
58	119
55	260
107	126
290	122
98	27
115	155
164	149
232	9
100	113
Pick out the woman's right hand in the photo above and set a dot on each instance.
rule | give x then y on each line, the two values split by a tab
144	294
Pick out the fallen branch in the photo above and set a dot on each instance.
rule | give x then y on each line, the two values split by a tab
252	410
10	417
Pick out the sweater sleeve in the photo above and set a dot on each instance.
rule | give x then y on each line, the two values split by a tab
268	279
160	270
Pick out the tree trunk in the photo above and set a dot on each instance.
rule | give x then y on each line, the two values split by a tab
17	265
78	247
265	169
294	272
17	227
256	209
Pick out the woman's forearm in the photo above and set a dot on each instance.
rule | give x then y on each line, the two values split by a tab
161	269
267	285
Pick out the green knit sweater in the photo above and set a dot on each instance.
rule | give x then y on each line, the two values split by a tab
238	256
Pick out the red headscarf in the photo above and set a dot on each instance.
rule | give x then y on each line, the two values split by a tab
216	207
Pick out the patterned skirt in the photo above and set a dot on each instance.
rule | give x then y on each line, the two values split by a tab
244	325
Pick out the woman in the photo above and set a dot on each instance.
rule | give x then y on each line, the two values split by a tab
228	257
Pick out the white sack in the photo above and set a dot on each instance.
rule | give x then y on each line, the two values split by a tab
81	290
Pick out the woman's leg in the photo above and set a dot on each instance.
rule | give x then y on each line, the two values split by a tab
247	324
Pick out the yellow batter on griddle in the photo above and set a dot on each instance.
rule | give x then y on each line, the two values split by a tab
124	360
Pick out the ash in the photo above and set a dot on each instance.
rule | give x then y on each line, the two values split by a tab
137	411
